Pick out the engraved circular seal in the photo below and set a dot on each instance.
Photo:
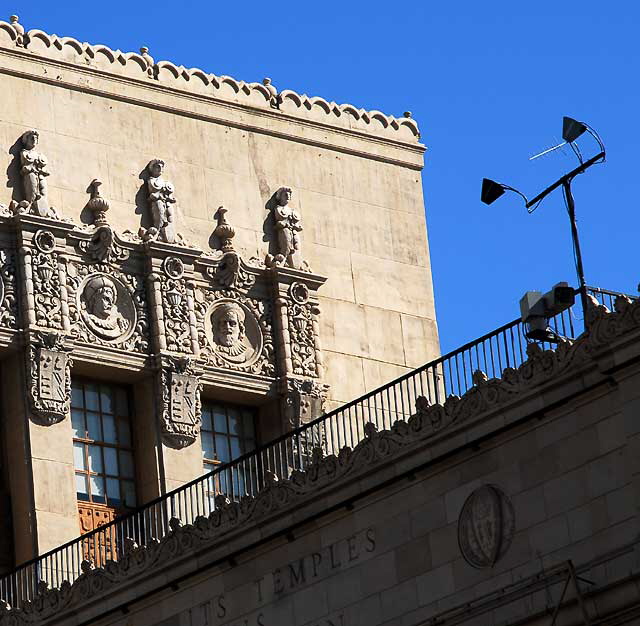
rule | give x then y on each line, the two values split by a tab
106	307
486	526
233	332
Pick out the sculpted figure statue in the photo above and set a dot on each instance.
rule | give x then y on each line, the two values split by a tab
34	172
163	204
228	325
101	312
288	227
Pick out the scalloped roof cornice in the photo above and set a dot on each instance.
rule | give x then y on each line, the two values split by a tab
255	95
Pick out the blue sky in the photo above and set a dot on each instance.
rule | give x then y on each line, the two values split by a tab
488	82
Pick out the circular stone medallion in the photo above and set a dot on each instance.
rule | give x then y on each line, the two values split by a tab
233	332
486	526
106	307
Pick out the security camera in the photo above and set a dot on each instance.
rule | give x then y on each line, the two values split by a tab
537	308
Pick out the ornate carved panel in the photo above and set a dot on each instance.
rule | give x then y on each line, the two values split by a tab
49	377
8	293
179	392
107	306
235	331
44	281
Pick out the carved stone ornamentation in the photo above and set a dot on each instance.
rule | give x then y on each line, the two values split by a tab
234	332
43	277
18	29
108	307
304	401
103	247
34	172
49	377
163	205
179	390
224	231
8	299
303	333
288	226
486	526
175	296
97	204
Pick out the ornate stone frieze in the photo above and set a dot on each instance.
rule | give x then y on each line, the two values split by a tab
48	365
179	393
107	307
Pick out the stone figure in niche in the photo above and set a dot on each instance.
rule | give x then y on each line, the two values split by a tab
33	168
288	226
162	203
100	308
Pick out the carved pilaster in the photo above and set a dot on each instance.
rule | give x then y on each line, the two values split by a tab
48	369
171	294
179	394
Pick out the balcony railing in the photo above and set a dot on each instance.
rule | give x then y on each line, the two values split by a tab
435	381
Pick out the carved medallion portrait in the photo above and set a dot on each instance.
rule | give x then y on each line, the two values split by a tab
233	332
106	307
486	526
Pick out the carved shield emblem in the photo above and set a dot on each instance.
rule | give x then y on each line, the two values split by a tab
486	526
52	375
184	399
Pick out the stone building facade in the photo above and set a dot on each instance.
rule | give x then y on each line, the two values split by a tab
184	252
197	271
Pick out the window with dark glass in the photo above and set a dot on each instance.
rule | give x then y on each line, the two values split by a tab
227	432
102	447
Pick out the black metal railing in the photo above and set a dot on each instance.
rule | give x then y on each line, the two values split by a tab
344	426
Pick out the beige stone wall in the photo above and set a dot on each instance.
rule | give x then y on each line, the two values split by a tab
359	193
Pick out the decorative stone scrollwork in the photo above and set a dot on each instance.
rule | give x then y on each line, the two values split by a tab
229	273
103	246
8	300
176	296
303	332
108	307
179	390
43	277
235	333
49	377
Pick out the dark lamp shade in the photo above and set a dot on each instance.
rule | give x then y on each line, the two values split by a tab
572	129
491	191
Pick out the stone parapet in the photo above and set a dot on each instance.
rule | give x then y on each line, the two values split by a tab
142	67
